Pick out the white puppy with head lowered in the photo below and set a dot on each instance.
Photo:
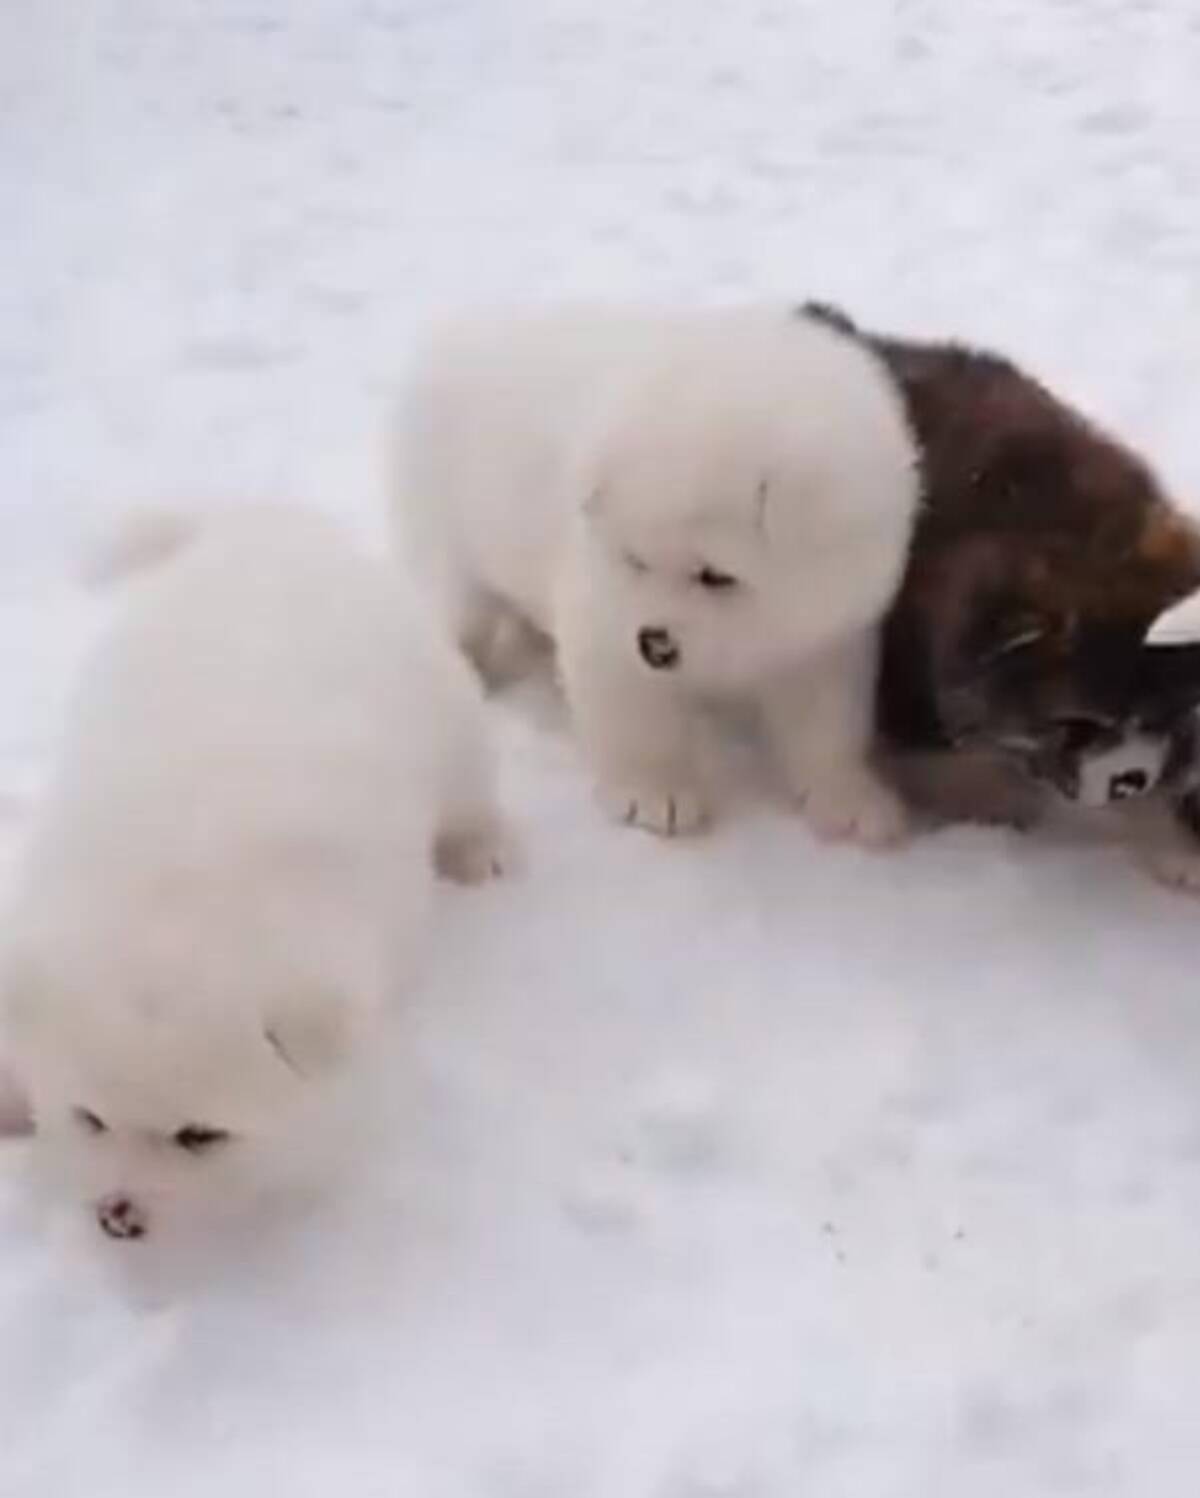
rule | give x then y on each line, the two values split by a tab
231	876
692	506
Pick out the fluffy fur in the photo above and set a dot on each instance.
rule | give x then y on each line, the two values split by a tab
1044	553
691	506
231	875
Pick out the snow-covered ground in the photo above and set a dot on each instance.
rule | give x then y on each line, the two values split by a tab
740	1169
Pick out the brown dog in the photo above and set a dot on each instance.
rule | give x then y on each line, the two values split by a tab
1044	551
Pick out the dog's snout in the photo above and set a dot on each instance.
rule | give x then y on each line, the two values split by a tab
121	1217
1129	783
657	648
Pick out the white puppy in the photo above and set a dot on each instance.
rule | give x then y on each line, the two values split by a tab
232	872
693	506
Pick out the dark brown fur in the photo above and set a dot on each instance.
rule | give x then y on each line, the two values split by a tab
1044	551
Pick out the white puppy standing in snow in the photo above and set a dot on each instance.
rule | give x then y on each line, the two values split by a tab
692	506
231	875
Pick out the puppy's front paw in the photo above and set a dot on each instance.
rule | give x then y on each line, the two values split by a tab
1177	868
473	857
669	811
960	785
851	804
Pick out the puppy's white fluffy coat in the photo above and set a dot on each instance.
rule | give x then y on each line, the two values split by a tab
692	506
232	872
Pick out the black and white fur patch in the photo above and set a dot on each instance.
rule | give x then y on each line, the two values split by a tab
1122	763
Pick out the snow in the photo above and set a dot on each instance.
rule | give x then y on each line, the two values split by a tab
737	1169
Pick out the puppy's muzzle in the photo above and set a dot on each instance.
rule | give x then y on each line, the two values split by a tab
658	649
121	1217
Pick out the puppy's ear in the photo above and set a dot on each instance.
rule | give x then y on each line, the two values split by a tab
310	1030
829	314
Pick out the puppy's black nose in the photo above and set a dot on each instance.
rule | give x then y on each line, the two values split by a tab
1130	783
121	1217
658	649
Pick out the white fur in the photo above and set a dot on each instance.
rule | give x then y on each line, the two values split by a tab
1098	773
1179	625
578	466
232	873
141	539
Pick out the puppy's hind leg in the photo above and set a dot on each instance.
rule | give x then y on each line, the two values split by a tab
819	722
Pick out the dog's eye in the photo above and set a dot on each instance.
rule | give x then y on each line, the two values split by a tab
714	578
90	1121
634	563
196	1138
1080	733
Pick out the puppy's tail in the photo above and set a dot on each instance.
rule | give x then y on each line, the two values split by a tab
139	540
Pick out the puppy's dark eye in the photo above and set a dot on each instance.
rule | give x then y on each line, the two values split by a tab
1079	733
715	579
90	1121
634	563
197	1138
